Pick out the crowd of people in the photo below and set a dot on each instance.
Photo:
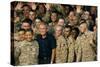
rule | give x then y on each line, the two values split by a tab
45	33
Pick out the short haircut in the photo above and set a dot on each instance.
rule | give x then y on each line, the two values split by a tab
83	22
54	12
59	26
25	5
27	21
68	26
76	29
30	30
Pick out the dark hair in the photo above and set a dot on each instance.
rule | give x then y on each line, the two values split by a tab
25	5
68	26
38	6
27	21
82	21
77	31
54	12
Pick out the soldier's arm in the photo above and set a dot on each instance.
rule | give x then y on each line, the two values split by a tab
64	50
77	49
47	16
71	51
16	54
37	48
90	39
79	54
76	46
93	42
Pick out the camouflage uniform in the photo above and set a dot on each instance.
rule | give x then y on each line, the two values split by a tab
58	8
26	53
71	48
85	47
46	17
16	51
95	38
61	50
51	27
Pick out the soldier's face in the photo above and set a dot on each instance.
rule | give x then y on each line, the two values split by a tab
71	15
26	26
86	15
58	31
41	8
28	36
67	31
26	11
82	28
32	15
61	22
42	29
21	35
53	17
74	33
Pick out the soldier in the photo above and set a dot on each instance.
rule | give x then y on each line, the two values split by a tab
54	19
26	25
61	22
16	38
86	16
46	17
26	9
28	50
61	49
72	19
75	32
95	35
70	42
32	16
19	37
85	47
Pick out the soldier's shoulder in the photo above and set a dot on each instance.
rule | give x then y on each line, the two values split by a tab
90	33
62	39
78	38
22	43
71	38
35	43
